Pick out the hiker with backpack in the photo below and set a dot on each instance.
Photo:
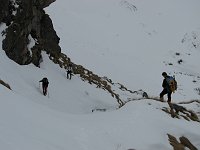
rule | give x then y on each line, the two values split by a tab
69	71
169	85
45	84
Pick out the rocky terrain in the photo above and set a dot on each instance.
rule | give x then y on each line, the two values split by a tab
26	20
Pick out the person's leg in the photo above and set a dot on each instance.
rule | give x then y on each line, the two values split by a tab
45	90
70	75
169	97
164	91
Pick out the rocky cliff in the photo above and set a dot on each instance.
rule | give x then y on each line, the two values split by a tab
29	30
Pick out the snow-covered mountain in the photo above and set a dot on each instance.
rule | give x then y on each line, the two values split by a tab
133	41
129	41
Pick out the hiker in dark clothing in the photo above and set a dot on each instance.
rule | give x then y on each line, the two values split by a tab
69	71
166	88
45	84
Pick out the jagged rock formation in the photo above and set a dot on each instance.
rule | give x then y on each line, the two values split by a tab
115	89
178	111
28	24
86	75
4	10
5	84
30	31
184	142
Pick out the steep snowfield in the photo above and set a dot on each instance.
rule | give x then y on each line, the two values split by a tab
129	41
132	41
73	96
27	125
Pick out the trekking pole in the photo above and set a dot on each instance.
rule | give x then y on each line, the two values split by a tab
48	93
39	85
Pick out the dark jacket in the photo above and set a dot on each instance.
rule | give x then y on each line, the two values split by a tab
165	85
69	67
44	81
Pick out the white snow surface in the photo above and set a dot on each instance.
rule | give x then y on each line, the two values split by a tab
130	41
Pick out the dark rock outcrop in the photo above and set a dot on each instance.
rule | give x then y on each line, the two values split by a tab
5	84
27	23
4	10
184	142
45	3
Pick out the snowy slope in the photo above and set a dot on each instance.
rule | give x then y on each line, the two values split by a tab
130	41
27	125
64	95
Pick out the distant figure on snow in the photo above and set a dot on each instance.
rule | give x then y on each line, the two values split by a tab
45	84
166	88
69	71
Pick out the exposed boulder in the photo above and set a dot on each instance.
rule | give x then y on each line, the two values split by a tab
27	23
45	3
49	37
184	142
6	9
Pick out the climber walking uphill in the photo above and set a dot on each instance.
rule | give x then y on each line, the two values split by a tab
169	85
45	84
69	71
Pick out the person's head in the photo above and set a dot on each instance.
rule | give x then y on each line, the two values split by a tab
164	74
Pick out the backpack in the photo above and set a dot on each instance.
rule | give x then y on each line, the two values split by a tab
45	81
172	83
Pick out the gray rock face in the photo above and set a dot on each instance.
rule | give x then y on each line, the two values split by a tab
5	11
45	3
27	23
